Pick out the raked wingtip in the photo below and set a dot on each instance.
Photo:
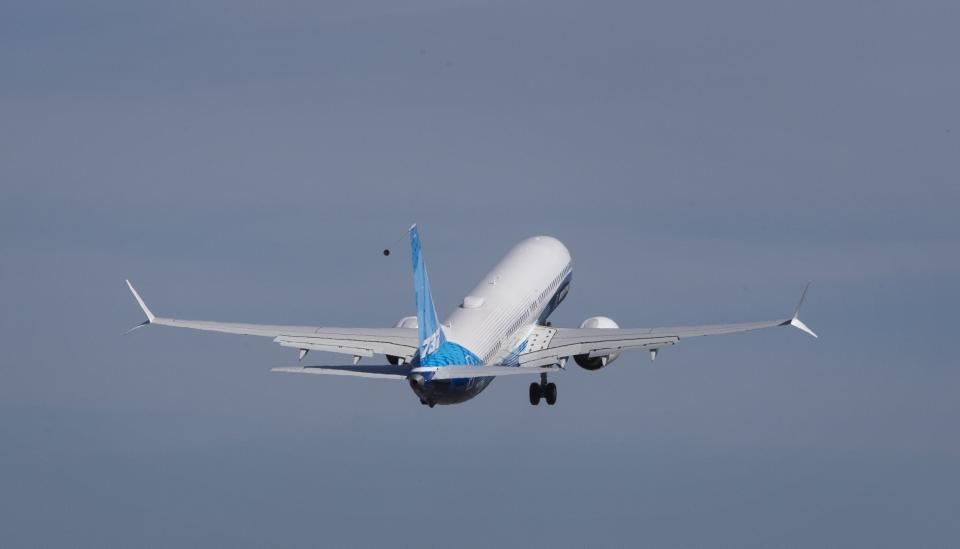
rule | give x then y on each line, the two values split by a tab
146	310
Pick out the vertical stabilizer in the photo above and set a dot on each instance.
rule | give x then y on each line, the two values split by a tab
429	331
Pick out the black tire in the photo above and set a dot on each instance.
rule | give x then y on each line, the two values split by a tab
551	393
535	393
431	403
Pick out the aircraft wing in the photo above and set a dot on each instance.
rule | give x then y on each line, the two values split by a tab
552	345
359	342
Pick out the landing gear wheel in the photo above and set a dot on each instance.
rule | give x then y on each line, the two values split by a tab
431	403
550	393
535	393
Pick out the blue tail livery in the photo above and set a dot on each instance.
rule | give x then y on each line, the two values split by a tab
429	333
434	348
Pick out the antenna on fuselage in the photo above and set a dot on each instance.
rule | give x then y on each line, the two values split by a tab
386	251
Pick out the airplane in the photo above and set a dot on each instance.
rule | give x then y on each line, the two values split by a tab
500	328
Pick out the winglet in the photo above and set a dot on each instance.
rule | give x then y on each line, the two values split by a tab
803	295
146	310
795	319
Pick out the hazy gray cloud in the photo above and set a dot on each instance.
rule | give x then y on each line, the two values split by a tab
701	161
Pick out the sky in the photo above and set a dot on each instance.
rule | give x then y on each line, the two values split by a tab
248	161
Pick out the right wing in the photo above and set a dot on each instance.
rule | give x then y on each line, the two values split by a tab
553	345
359	342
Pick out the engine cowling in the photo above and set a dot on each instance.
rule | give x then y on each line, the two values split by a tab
405	322
596	362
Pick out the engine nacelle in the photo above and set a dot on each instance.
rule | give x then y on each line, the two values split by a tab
405	322
595	363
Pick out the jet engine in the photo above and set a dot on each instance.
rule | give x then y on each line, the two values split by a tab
588	362
405	322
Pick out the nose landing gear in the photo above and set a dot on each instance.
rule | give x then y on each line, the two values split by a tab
544	390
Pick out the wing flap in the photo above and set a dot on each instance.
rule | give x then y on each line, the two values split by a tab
356	344
572	343
328	345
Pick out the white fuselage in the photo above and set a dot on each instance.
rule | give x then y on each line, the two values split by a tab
495	318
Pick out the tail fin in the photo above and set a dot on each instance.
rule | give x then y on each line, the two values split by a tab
429	331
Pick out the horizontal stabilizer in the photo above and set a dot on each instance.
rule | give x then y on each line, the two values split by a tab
459	372
376	372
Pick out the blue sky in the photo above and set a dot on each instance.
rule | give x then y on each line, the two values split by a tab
702	161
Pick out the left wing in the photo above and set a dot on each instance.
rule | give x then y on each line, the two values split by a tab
554	345
359	342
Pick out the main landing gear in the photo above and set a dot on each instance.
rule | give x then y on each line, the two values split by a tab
544	390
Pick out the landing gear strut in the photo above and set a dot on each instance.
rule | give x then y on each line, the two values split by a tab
544	390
